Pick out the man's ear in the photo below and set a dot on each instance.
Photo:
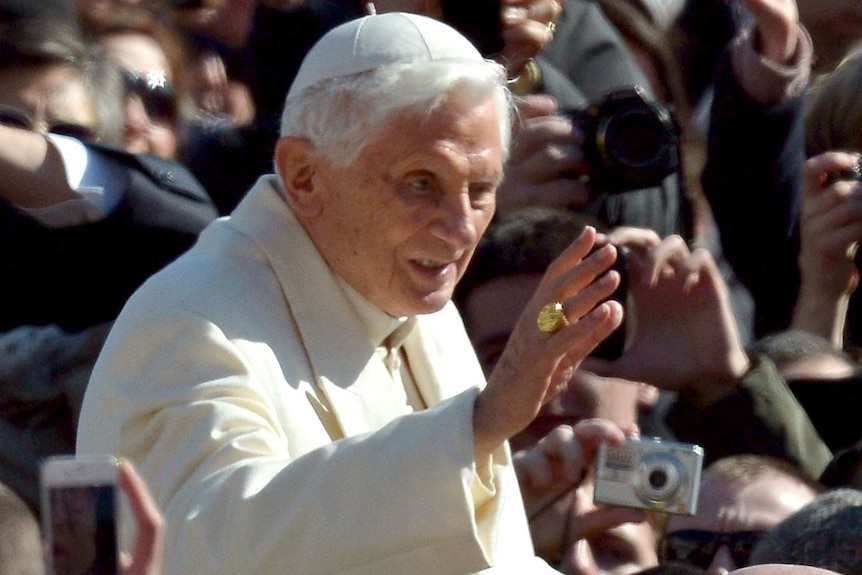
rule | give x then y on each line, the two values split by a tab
295	160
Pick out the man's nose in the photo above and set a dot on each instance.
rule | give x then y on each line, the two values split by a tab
578	559
722	562
456	223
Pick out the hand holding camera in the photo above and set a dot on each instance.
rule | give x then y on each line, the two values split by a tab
630	471
559	461
830	232
685	337
80	520
630	141
545	152
650	474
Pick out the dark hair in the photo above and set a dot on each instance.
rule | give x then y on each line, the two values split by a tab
525	242
790	345
53	41
33	41
826	533
123	19
841	469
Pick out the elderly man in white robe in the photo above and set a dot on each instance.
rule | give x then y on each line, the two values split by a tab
298	388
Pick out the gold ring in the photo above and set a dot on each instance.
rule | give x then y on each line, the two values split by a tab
552	27
552	318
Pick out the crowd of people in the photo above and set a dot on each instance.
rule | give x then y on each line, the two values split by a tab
347	291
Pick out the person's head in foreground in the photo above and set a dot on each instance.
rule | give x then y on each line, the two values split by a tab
825	533
782	569
741	498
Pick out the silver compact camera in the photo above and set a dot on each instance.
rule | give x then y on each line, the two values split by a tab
649	473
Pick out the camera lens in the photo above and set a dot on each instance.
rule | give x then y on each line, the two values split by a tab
633	138
658	479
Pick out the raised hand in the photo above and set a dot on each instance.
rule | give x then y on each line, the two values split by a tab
526	30
685	337
778	27
536	365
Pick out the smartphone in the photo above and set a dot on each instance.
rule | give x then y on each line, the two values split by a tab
481	21
80	502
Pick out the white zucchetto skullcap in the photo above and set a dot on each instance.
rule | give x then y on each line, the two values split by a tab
370	42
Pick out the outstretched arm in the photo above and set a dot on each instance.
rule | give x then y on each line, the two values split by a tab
33	172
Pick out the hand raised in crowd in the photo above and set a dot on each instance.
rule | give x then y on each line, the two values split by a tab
777	27
685	336
536	365
830	231
146	559
527	29
545	154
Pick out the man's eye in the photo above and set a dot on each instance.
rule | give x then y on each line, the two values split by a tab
483	194
421	184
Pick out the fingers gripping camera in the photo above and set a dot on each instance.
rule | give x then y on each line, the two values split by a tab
651	474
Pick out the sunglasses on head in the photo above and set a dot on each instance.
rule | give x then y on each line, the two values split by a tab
15	118
155	91
698	547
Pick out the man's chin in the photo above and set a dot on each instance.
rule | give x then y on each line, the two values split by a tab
430	303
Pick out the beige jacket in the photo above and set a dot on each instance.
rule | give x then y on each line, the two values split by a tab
242	384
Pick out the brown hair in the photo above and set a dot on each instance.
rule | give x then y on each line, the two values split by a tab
100	21
834	113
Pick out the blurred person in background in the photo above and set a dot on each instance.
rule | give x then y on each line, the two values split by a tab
153	65
20	536
83	224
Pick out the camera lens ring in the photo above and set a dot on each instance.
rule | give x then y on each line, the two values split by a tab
658	479
634	139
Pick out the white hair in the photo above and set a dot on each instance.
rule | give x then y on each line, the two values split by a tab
342	115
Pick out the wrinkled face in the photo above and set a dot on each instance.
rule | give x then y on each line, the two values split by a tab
401	223
730	508
47	97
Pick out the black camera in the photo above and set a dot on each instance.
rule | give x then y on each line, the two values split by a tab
630	141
